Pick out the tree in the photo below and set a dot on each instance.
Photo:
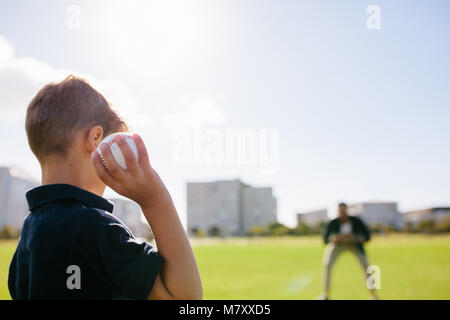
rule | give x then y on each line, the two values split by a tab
302	229
409	227
214	231
197	232
274	225
426	226
443	225
9	232
278	229
257	231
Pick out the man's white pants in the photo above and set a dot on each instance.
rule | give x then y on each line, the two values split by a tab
333	251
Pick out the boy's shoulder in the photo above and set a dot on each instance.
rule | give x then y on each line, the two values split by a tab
69	209
102	223
100	215
98	218
78	216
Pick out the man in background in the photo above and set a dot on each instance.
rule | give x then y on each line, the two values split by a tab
345	233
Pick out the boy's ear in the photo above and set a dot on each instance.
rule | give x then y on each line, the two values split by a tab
94	138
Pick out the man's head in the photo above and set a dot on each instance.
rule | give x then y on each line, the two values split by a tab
342	210
66	121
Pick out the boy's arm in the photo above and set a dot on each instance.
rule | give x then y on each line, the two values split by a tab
179	277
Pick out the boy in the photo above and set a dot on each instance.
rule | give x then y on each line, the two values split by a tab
71	247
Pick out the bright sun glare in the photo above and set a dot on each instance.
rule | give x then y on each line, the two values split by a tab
143	31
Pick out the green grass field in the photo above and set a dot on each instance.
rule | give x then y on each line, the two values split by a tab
412	267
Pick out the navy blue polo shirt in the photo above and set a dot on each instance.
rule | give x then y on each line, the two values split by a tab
72	247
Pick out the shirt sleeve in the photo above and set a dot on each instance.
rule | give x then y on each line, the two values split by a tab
128	266
327	233
12	281
363	231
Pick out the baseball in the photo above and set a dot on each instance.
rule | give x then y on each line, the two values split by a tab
115	149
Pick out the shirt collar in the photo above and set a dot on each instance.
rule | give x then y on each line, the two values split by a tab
52	192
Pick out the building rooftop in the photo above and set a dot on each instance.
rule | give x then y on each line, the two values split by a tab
427	210
374	202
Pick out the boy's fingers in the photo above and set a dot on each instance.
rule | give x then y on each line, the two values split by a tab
144	160
113	167
101	171
128	155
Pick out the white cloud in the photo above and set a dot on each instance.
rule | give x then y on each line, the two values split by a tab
21	78
195	112
6	51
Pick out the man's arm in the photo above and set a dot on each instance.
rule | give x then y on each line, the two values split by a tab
365	230
179	277
327	233
364	235
330	234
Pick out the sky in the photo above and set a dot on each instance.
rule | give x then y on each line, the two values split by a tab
333	110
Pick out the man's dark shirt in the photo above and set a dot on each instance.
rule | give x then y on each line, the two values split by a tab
70	228
359	229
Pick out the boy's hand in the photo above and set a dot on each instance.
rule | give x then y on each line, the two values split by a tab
139	181
179	277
